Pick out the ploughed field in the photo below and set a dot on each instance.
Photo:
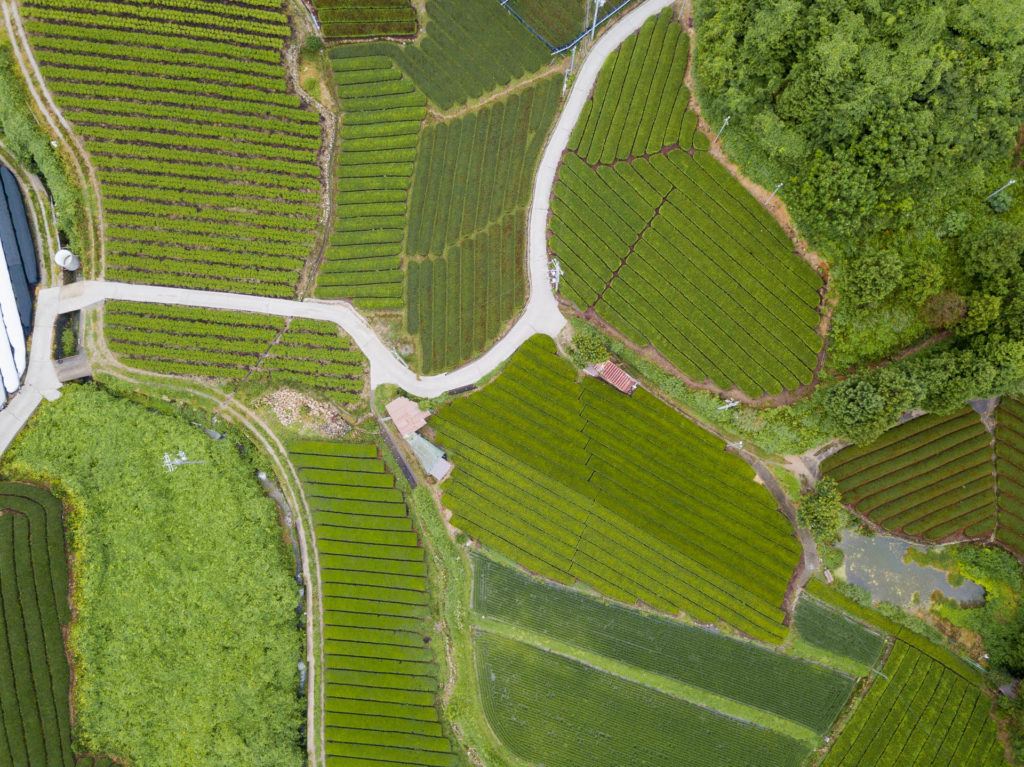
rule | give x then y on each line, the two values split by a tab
237	348
207	163
380	667
941	478
576	481
662	242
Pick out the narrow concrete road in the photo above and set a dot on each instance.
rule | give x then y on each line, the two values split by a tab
541	315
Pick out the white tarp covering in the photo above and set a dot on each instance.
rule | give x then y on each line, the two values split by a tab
12	335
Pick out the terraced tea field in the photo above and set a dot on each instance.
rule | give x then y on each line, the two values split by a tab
379	135
207	163
578	482
1010	472
466	224
550	709
353	19
34	675
832	630
380	667
470	48
662	242
930	478
792	689
237	347
918	713
559	22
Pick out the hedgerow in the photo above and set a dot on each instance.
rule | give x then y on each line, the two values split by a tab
179	97
347	20
380	669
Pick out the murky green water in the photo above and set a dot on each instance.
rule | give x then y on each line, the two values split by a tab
876	563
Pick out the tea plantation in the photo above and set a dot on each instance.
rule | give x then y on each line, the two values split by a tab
206	160
380	668
611	501
661	241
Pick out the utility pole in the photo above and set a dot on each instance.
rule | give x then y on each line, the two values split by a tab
1007	185
597	8
569	71
725	124
775	191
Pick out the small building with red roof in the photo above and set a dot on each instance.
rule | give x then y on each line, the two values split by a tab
611	373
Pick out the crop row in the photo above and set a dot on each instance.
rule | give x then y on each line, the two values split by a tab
346	20
833	631
739	670
459	303
918	713
639	104
559	22
549	709
711	540
306	354
380	669
34	675
930	477
619	232
1010	474
383	113
474	170
470	47
191	98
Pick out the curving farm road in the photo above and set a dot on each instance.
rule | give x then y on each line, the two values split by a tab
541	314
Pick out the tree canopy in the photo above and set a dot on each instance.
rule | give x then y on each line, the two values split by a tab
891	124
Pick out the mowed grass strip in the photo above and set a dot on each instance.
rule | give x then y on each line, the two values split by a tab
380	670
466	233
355	19
917	713
577	482
35	720
207	163
929	478
377	150
663	243
742	671
1010	472
234	347
550	709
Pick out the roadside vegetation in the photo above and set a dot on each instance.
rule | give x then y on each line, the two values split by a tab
185	639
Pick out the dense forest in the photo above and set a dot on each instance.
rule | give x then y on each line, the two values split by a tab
895	127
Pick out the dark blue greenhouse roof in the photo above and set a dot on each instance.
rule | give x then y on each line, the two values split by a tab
19	248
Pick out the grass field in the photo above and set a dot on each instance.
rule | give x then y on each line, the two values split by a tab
833	631
919	713
380	668
742	671
1010	473
466	224
931	477
663	243
207	164
353	19
237	347
186	639
35	720
377	149
470	48
578	482
555	711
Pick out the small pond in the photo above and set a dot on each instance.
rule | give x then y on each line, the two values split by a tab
876	563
